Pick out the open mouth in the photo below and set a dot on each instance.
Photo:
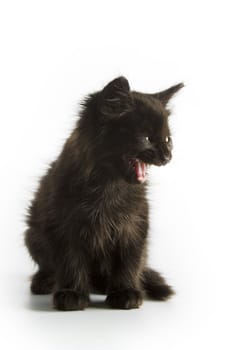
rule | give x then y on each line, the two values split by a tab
138	167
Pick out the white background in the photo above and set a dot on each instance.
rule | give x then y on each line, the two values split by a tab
52	54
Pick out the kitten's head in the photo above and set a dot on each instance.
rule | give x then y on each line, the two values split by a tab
127	131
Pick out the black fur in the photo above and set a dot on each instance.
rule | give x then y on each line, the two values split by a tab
88	223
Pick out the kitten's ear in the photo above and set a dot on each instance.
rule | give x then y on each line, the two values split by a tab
116	98
116	87
166	95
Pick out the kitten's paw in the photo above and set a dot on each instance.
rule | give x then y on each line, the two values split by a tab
125	299
68	300
42	283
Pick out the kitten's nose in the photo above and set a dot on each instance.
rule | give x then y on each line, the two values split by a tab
166	159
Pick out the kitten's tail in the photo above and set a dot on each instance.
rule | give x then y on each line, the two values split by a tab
155	285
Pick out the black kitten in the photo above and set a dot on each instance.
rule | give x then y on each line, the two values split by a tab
88	223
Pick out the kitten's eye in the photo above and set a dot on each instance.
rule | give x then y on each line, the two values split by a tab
146	139
167	139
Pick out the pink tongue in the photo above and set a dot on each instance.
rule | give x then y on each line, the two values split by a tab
140	168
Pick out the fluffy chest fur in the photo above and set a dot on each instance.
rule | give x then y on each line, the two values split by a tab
102	213
117	215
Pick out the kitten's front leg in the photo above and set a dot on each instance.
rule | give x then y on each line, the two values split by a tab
72	292
125	290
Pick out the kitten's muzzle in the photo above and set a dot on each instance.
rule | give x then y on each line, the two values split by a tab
166	160
155	157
